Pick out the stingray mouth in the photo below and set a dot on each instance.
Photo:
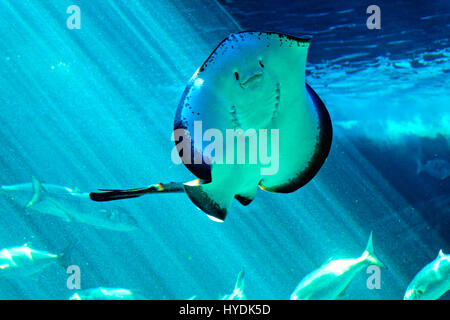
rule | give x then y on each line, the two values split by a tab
252	80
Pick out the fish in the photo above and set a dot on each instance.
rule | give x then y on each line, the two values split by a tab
437	168
238	292
432	281
67	204
331	280
24	261
347	124
102	293
252	83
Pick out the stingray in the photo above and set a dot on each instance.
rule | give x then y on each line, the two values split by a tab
253	82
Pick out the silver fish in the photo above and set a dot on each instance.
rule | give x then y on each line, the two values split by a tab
69	205
104	294
24	261
437	168
432	281
238	292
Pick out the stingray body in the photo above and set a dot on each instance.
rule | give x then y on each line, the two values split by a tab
252	84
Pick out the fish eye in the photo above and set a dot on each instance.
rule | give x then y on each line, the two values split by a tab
261	64
236	75
419	291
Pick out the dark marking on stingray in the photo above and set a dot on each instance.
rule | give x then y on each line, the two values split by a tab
202	170
277	103
245	201
234	117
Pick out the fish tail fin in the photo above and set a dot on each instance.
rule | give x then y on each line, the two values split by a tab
369	254
117	194
240	282
37	192
418	159
238	291
65	256
419	166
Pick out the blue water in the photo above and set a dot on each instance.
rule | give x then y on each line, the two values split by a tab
94	108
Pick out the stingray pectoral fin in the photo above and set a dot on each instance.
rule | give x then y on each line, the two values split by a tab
212	198
301	160
118	194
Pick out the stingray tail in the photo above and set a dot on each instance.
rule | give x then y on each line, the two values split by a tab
117	194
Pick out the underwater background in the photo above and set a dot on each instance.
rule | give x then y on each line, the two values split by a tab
94	108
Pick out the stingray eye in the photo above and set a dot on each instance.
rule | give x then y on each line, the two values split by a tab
236	75
261	64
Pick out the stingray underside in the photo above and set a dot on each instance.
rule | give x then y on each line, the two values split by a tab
304	125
